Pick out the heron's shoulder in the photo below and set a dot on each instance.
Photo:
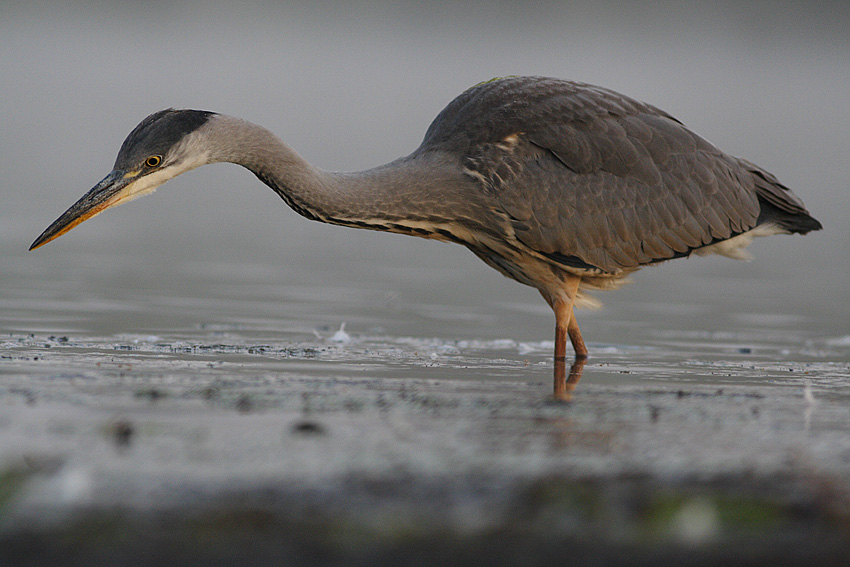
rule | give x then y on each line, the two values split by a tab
497	108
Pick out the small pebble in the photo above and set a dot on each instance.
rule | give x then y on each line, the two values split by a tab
123	431
307	427
244	404
654	412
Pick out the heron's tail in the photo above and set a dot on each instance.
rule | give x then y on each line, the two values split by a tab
779	205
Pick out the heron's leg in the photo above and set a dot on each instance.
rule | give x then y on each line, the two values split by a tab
575	338
563	315
567	326
565	322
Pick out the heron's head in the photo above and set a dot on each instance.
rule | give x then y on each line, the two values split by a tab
163	145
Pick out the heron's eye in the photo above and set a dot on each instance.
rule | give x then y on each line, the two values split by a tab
153	161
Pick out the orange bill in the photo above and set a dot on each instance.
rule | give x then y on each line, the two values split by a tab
102	196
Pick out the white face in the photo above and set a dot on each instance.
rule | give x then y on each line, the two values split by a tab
150	182
192	146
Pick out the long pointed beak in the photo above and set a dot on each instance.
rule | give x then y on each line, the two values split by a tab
102	196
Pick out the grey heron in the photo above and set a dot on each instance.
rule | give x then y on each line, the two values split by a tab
560	185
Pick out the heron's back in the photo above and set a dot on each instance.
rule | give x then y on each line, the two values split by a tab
599	183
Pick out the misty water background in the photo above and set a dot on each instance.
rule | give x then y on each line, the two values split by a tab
216	257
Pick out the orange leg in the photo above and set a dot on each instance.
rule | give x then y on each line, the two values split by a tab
575	337
567	327
562	321
565	323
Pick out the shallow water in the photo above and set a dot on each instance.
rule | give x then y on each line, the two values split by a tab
210	321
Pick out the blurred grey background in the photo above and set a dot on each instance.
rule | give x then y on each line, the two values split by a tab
355	84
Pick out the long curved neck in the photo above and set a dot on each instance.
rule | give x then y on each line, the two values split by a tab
407	195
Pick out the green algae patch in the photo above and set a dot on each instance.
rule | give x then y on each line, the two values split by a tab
12	480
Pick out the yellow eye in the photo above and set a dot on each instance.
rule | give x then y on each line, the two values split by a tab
153	161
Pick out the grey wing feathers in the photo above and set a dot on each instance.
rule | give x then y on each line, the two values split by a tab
595	180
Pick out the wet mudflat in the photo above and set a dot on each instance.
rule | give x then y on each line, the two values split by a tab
350	449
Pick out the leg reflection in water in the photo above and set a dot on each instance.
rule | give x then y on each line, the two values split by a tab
564	383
